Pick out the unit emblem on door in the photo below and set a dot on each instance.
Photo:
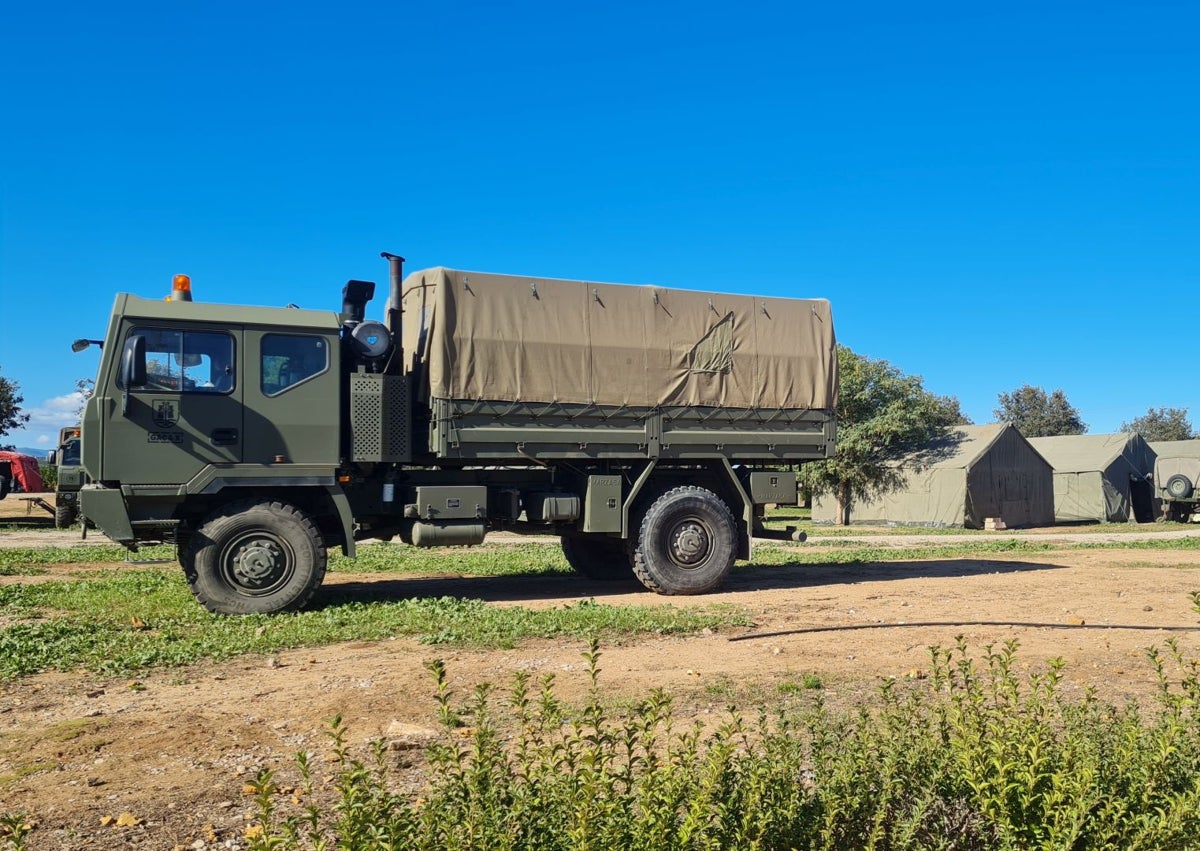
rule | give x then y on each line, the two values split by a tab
164	413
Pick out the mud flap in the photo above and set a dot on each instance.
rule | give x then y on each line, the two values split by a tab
106	508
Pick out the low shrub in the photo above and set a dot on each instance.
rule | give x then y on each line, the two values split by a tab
975	757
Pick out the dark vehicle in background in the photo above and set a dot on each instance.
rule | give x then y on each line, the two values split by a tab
646	427
66	460
1177	479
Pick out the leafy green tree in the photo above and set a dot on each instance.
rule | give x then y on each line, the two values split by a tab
84	387
1036	414
882	414
1163	424
11	416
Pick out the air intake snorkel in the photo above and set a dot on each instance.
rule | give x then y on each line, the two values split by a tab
368	340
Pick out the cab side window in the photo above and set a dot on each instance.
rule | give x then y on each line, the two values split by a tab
291	359
187	361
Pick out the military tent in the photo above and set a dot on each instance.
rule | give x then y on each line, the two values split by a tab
973	473
1102	477
22	472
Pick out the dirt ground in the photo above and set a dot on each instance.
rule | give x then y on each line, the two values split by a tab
172	751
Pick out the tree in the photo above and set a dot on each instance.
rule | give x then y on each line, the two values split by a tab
11	416
1163	424
882	414
1037	415
84	387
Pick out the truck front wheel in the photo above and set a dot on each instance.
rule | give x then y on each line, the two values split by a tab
255	557
686	543
65	513
597	557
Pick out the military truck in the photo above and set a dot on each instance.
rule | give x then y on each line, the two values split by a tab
646	427
65	458
1176	478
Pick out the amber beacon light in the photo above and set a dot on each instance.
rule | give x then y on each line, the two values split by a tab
181	289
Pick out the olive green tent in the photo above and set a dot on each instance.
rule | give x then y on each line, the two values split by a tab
971	474
1101	477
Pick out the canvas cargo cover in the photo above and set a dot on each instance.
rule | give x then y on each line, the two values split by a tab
501	337
1176	448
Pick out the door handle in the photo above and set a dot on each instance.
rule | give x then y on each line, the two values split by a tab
224	436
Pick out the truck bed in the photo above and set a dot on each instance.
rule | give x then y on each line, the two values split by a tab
497	432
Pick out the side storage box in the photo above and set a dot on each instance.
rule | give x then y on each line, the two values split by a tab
773	487
602	505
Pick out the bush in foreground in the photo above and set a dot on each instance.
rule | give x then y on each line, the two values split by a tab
984	759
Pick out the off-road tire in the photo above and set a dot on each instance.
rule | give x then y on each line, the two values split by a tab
598	557
65	514
686	543
1179	486
255	557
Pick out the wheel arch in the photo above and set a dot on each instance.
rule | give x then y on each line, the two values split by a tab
715	474
327	505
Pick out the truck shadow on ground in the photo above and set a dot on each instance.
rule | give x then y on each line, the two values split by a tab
26	523
554	585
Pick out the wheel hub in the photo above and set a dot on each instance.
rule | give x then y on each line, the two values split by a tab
690	543
257	562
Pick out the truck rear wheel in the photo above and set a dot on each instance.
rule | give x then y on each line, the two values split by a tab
255	556
597	557
686	543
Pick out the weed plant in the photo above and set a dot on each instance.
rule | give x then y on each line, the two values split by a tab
977	757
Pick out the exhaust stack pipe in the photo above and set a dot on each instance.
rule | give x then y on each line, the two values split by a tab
396	274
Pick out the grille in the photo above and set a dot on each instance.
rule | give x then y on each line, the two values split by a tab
379	418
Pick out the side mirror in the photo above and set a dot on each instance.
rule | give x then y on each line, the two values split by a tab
52	458
133	367
133	362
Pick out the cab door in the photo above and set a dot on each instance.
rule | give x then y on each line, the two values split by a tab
292	395
186	416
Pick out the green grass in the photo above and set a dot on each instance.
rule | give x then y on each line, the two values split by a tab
539	559
536	559
850	552
1149	544
30	561
90	623
801	518
807	682
860	552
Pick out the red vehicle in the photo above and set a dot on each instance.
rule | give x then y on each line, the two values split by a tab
19	473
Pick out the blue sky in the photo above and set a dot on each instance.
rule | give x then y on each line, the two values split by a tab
990	195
